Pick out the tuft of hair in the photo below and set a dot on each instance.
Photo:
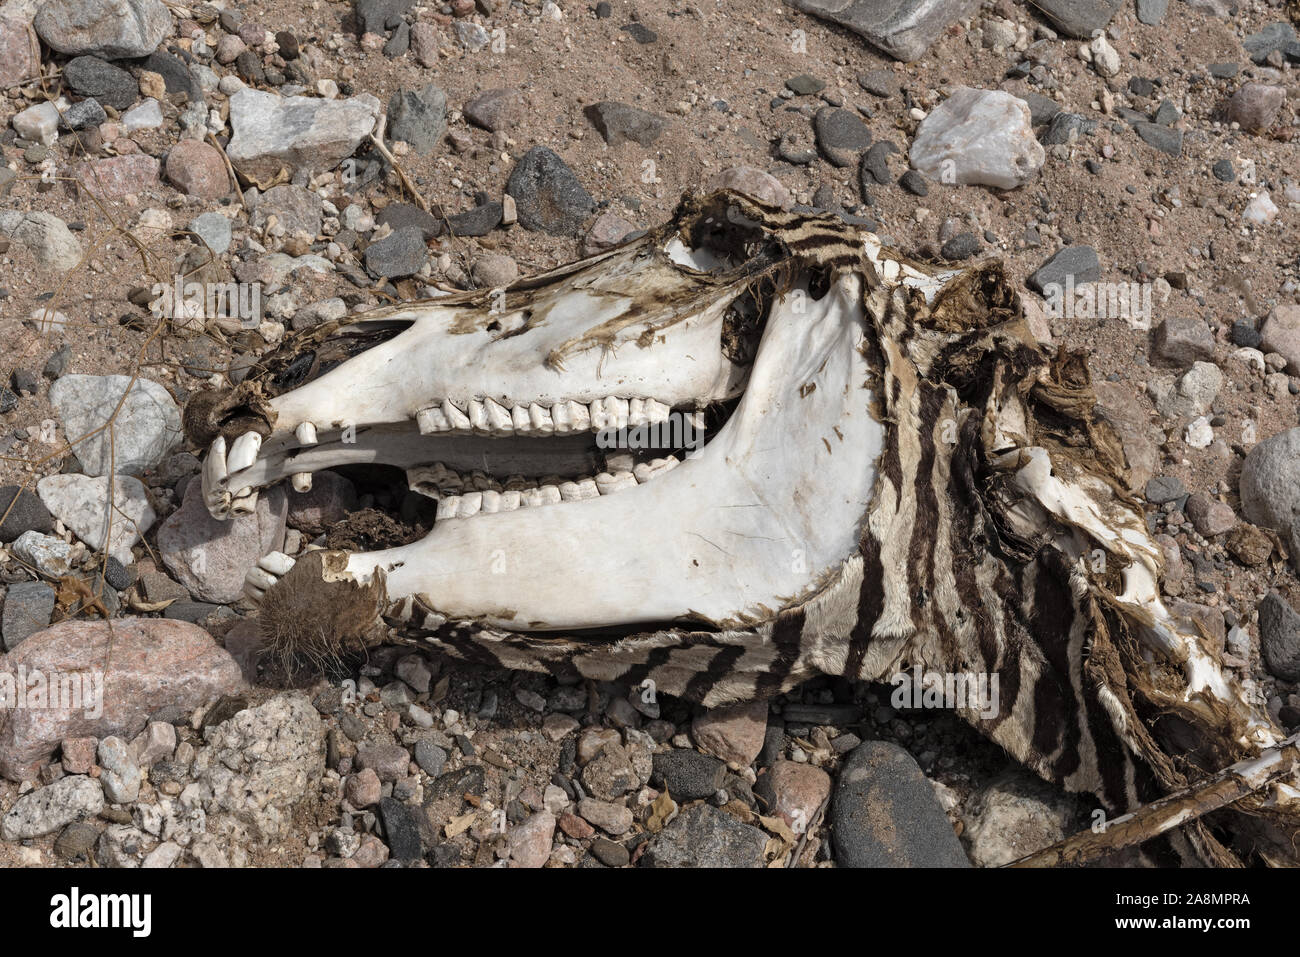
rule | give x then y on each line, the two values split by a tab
318	615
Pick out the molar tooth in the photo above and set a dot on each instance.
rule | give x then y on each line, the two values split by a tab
520	419
587	489
550	495
532	498
498	418
481	481
477	415
511	500
656	411
515	483
642	472
539	417
580	415
636	413
432	420
448	506
599	420
569	492
562	418
616	412
619	461
608	483
301	481
470	503
491	501
305	433
458	419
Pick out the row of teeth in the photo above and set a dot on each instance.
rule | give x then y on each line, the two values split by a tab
488	417
460	496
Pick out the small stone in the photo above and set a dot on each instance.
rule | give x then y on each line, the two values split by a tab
270	133
119	774
793	792
389	761
214	230
21	510
733	733
903	30
424	44
1163	138
496	109
978	137
1279	637
82	503
1210	517
689	775
400	830
962	246
611	818
529	843
607	231
494	271
1255	106
1080	18
27	610
914	183
754	183
1080	262
112	29
418	117
547	195
618	123
1182	340
703	836
399	254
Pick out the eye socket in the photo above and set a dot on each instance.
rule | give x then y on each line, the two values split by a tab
819	283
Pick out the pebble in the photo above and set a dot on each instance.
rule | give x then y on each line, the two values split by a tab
496	109
754	183
270	132
112	29
734	733
198	170
1164	488
1255	106
841	136
1015	815
1080	18
81	502
903	30
27	610
1281	334
400	830
424	44
119	773
39	123
418	117
470	35
401	253
47	554
146	115
210	557
793	792
689	775
1209	516
1151	12
145	429
875	164
1182	340
388	760
962	246
611	818
1261	210
885	813
21	510
1163	138
1270	484
52	808
20	55
1081	262
1279	637
529	843
978	137
547	194
214	230
703	836
1273	37
494	271
110	85
621	123
51	242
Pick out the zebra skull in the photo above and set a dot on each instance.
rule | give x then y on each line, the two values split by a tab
747	448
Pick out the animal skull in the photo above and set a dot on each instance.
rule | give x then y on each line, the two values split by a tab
894	475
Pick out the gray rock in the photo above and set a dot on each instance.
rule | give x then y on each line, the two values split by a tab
48	554
270	133
689	775
879	82
1014	815
430	757
703	836
145	429
215	231
903	29
1066	127
401	253
805	84
1279	637
1165	488
418	117
1275	36
21	510
618	123
885	814
1163	138
875	164
297	209
51	242
471	36
51	808
1042	109
82	503
83	114
380	16
1151	12
27	610
495	109
1080	18
119	774
478	221
176	75
1270	482
978	137
548	197
1081	262
962	246
1182	340
400	831
841	136
112	29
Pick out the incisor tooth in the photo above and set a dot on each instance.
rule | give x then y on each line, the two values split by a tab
243	452
301	481
432	420
568	491
305	433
